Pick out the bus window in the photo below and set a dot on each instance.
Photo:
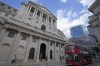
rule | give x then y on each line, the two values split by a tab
69	49
70	57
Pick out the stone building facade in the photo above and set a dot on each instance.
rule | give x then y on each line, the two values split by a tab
94	21
29	33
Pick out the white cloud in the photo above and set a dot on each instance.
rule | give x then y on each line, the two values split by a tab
71	14
64	1
65	22
83	11
35	0
86	2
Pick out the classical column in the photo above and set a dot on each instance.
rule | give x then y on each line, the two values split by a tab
55	25
29	9
48	53
35	54
59	50
28	49
55	51
38	49
2	34
48	20
41	16
51	23
15	45
35	13
63	51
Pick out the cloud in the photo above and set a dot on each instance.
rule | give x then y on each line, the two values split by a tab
64	1
86	2
64	21
35	0
71	14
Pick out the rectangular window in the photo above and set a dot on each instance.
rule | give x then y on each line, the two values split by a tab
34	39
61	45
11	34
49	19
32	10
38	13
44	16
24	36
53	21
51	44
56	45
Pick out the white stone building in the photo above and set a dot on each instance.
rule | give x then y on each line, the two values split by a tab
29	33
94	21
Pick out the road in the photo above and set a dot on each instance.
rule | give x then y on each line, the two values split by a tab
96	62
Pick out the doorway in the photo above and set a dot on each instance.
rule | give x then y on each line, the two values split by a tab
50	54
31	54
43	51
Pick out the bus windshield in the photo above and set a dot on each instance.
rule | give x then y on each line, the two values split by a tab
70	57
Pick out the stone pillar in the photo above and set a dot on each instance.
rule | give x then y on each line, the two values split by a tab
54	51
63	51
15	45
35	54
56	25
35	13
48	20
51	25
38	49
41	16
2	34
52	22
48	57
29	9
59	50
28	49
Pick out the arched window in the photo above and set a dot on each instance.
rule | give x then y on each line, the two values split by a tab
43	27
50	54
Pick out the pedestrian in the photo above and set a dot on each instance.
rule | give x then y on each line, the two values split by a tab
14	59
61	59
46	58
41	57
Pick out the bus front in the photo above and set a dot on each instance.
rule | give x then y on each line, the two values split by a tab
70	55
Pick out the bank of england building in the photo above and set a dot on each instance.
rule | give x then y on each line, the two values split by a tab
29	33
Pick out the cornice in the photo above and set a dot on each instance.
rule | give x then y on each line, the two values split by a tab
97	2
24	28
40	7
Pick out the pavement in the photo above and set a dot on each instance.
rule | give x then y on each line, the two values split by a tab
44	63
96	62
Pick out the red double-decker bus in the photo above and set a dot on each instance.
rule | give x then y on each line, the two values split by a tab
77	55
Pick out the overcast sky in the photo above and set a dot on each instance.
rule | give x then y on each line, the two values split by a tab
69	13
